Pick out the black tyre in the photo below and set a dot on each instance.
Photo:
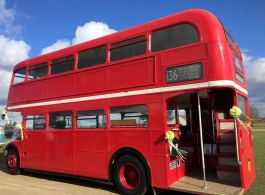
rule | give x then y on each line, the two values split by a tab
130	176
13	162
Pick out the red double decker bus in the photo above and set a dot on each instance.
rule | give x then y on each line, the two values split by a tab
100	109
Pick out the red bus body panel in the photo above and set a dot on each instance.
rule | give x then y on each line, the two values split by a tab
136	81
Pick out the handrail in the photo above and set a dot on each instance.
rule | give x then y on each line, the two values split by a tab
237	155
201	140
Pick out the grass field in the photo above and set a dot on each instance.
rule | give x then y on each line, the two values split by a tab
257	187
258	125
2	158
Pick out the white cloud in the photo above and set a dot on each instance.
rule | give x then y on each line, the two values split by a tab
7	17
12	52
89	31
60	44
255	68
255	71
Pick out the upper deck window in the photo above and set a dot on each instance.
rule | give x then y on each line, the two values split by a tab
231	42
19	75
128	48
38	71
92	57
62	65
174	36
238	63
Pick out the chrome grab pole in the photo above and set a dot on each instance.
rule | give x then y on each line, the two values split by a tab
213	118
237	155
201	140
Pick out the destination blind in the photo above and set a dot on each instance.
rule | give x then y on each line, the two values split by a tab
184	73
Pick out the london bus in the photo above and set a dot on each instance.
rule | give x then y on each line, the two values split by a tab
100	110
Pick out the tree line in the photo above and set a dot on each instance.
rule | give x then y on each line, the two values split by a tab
10	126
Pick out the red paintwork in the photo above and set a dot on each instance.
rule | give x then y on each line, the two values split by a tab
89	152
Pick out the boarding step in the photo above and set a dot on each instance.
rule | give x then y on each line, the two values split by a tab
226	146
194	184
228	172
222	115
226	135
229	159
227	124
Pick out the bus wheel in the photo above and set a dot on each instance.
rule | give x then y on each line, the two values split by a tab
12	162
130	176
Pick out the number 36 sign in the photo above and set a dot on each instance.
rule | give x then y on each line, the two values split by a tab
184	73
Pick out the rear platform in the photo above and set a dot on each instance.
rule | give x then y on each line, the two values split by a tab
193	183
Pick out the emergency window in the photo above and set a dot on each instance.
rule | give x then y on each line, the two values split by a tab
90	119
35	122
129	116
174	36
19	75
60	120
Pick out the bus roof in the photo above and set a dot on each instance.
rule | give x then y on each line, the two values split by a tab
209	28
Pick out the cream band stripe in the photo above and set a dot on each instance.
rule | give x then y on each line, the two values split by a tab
220	83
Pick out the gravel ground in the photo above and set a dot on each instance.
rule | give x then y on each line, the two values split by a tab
41	184
31	183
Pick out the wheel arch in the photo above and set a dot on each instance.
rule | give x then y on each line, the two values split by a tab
10	146
129	151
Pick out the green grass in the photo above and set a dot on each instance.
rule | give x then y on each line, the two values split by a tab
2	158
258	125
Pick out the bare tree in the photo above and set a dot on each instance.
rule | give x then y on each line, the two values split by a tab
254	113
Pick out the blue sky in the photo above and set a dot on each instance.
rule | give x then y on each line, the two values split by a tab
31	27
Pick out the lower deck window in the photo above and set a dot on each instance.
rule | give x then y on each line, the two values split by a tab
60	120
90	119
129	116
241	102
35	122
